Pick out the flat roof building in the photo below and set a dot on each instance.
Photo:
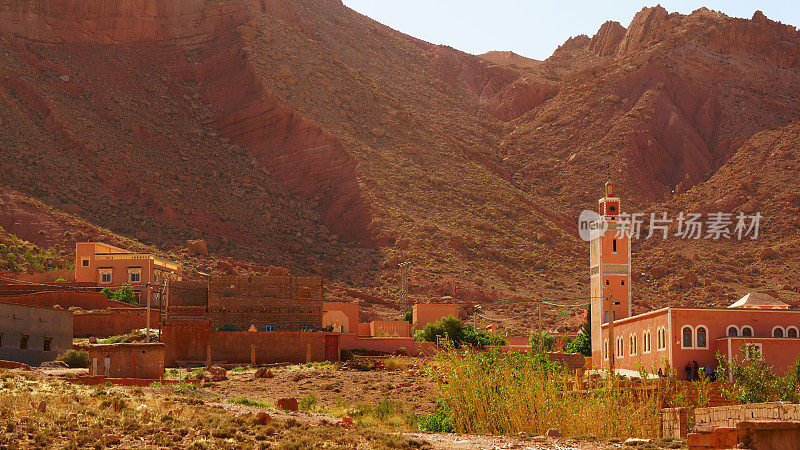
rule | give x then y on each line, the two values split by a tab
112	267
33	334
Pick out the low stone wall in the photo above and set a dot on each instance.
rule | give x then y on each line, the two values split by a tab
730	416
675	422
570	361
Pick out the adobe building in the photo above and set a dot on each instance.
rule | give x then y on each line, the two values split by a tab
127	360
675	336
425	313
247	319
109	266
33	334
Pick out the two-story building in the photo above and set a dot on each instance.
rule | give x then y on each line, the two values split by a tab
113	267
674	336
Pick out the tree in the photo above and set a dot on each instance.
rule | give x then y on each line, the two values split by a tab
457	333
548	341
581	344
408	316
124	294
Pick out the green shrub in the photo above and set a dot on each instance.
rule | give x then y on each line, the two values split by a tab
439	421
457	333
75	358
307	403
581	344
548	341
124	294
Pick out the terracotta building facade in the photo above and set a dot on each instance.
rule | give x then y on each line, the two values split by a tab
109	266
674	336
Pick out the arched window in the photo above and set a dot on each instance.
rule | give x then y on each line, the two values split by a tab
605	349
791	332
778	332
701	337
733	330
747	330
614	246
686	342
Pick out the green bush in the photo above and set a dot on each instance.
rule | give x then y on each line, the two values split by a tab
124	294
548	341
439	421
581	344
457	333
75	358
754	381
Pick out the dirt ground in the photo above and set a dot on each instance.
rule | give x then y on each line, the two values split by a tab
336	391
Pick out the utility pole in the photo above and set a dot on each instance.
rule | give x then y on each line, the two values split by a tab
611	342
541	332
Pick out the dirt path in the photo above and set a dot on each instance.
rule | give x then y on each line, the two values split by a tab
446	441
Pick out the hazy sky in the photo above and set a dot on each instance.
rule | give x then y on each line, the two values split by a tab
535	28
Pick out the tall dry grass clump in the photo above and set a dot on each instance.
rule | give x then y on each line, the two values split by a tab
501	393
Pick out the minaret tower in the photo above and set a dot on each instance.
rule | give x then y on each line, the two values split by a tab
609	271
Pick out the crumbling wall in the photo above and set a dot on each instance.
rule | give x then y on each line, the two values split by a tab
282	303
730	416
127	360
113	322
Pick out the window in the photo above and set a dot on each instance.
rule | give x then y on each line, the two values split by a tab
270	328
687	337
622	282
605	349
105	276
790	332
1	339
135	277
777	332
733	331
747	330
84	262
701	338
23	341
620	347
614	246
47	343
754	351
607	282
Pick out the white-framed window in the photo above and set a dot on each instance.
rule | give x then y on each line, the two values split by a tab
701	337
778	332
747	330
791	332
105	275
84	262
732	331
751	348
687	336
620	347
135	277
605	349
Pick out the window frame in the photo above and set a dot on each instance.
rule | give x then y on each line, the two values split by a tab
752	332
24	341
728	329
269	328
796	332
776	328
757	345
691	336
47	344
696	337
86	262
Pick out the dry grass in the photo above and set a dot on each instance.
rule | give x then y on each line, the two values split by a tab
502	393
81	416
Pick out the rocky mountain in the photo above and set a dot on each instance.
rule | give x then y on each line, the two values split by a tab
302	134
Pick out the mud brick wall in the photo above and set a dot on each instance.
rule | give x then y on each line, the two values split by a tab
570	361
675	422
66	300
187	293
730	416
287	303
127	360
188	342
112	322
